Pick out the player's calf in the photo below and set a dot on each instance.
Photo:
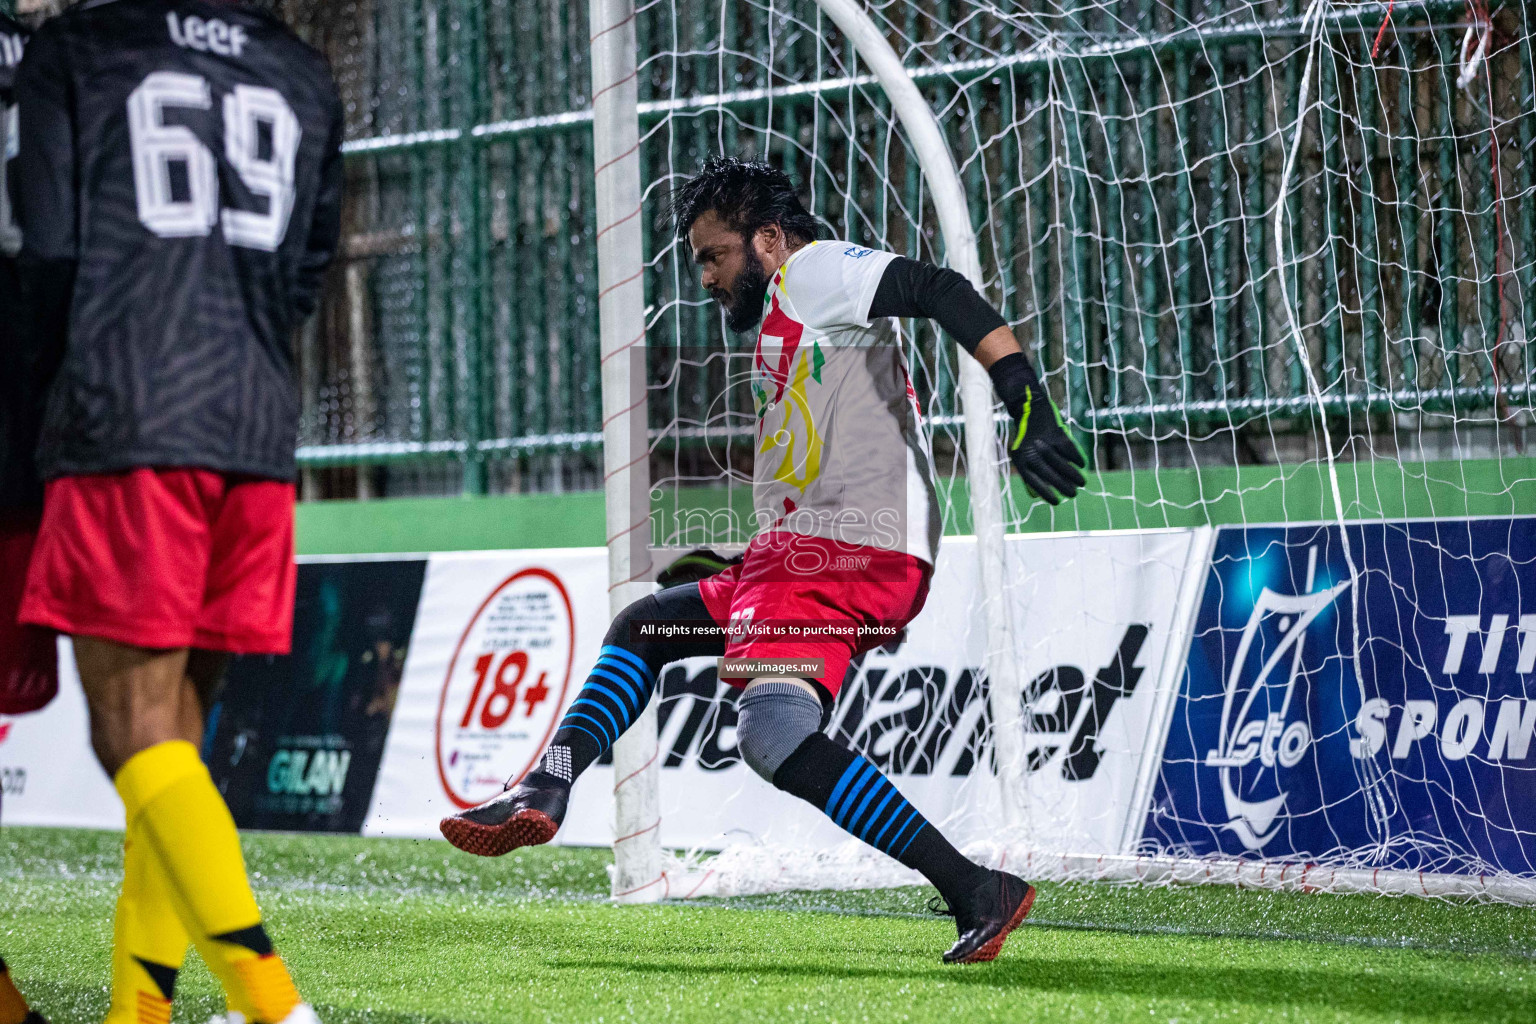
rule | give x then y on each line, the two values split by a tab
778	733
137	698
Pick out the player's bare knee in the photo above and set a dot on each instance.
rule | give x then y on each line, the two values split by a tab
774	717
135	697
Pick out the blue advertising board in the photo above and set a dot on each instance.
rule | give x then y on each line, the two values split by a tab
1380	718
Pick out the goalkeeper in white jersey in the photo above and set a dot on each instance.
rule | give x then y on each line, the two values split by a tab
848	525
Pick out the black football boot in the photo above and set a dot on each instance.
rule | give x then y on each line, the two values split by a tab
527	814
985	918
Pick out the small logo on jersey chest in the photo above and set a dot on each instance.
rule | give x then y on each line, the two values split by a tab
857	253
209	35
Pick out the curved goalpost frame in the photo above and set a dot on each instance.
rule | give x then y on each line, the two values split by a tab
638	872
981	446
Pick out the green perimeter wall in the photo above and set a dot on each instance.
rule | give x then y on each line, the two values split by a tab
1128	499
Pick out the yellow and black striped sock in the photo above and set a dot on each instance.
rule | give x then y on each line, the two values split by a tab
172	802
149	941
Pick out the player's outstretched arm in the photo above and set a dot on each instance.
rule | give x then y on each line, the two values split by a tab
1039	446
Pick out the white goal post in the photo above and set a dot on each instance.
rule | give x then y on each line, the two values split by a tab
981	446
621	313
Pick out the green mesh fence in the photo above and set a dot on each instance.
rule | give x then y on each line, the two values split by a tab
1122	160
460	324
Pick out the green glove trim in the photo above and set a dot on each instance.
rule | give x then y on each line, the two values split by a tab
1029	399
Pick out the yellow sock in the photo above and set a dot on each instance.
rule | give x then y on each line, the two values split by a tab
171	801
13	1008
149	941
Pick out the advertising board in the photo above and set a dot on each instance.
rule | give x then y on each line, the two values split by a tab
1379	716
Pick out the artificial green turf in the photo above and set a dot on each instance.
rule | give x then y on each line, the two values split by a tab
388	932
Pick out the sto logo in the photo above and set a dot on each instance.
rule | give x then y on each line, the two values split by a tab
1256	704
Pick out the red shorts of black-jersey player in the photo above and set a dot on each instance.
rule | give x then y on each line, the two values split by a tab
166	558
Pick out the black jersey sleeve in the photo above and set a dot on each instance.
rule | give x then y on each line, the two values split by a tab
325	226
43	182
913	289
21	393
43	172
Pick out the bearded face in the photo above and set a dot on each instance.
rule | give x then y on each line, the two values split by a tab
743	303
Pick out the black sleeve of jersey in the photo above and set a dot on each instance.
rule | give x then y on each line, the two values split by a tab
44	167
325	227
46	288
43	183
909	288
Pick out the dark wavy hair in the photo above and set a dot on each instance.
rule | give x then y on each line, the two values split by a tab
747	195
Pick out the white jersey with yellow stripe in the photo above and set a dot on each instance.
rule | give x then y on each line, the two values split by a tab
840	452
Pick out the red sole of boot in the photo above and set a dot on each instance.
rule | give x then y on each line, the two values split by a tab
994	945
525	828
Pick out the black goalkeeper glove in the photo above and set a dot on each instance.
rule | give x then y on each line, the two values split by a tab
698	564
1045	455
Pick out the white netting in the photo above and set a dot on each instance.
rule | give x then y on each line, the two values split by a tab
1275	261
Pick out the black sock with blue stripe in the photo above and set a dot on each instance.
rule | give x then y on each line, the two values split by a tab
609	702
622	681
864	803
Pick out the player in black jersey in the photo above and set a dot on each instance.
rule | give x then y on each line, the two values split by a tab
28	677
178	188
19	486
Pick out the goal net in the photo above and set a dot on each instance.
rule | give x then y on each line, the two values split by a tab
1274	260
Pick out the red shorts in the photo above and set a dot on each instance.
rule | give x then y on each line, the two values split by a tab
845	599
166	558
29	669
